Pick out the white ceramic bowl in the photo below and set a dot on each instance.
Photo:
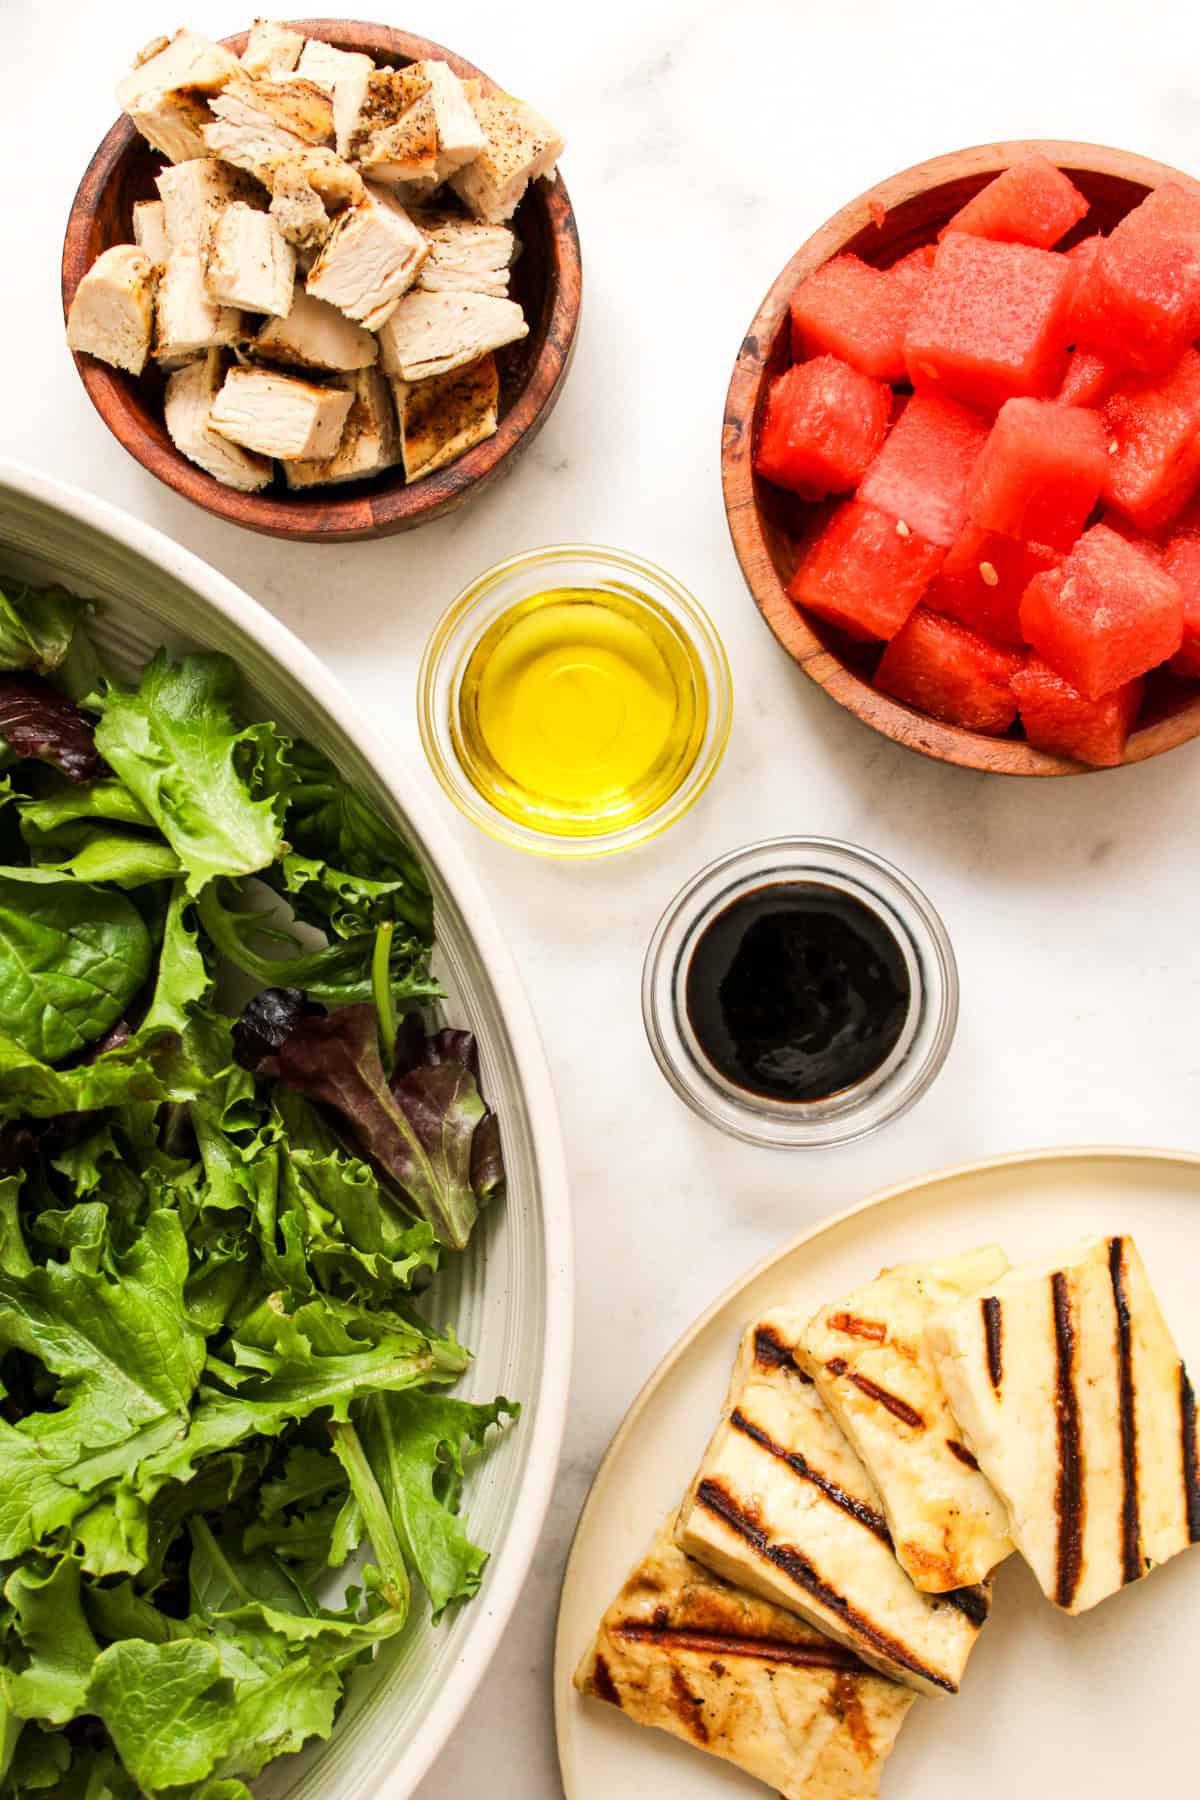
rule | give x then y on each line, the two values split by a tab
510	1297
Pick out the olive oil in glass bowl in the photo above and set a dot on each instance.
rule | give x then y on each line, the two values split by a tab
574	701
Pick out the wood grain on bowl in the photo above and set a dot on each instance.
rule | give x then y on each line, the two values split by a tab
768	525
547	280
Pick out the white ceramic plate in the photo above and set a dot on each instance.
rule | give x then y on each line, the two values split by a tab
1104	1704
511	1296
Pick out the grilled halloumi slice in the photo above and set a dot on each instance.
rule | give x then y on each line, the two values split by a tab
1067	1384
783	1505
742	1679
872	1368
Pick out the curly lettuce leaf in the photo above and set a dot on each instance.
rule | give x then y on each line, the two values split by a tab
57	1648
210	786
328	822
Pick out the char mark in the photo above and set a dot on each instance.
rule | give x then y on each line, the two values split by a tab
963	1454
993	1329
603	1685
822	1653
873	1330
899	1409
974	1603
1191	1459
1069	1494
1133	1565
770	1352
799	1465
687	1708
802	1573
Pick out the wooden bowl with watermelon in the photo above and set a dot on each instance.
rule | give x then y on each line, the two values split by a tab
961	458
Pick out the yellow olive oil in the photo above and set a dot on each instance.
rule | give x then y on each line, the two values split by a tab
580	711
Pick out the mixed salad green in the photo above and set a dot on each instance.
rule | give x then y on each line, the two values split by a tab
232	1149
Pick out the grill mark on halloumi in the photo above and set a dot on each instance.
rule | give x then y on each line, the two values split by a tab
770	1352
1069	1488
856	1509
899	1409
873	1330
993	1329
1191	1462
603	1684
974	1603
688	1708
962	1453
800	1571
824	1655
1133	1563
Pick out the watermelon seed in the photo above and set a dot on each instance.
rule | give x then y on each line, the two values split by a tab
903	530
990	577
1114	447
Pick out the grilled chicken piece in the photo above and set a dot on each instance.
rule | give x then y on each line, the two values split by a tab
324	65
782	1505
519	147
742	1679
167	95
187	320
112	314
386	123
430	334
250	263
271	49
190	395
868	1357
280	415
464	255
299	110
369	439
315	335
194	194
1069	1389
444	417
150	231
371	258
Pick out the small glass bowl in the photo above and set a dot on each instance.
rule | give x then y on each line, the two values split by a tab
890	1089
464	623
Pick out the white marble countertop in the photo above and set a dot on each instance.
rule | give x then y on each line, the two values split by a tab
706	142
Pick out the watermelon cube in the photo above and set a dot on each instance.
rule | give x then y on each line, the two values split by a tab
1039	474
952	674
1088	378
1154	444
1032	202
1058	718
920	475
865	572
1109	613
1140	299
991	324
982	580
824	423
849	309
914	270
1181	559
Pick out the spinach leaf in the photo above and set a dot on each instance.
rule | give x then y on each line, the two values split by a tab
36	626
202	779
72	956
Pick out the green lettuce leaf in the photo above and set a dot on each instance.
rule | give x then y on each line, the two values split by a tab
201	778
328	822
36	626
57	1647
72	957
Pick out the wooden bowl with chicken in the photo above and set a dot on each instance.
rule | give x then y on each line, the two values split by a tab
345	412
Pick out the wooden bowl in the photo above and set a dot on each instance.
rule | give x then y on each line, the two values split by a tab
547	281
767	524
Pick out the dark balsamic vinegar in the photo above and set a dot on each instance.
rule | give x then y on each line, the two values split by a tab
797	991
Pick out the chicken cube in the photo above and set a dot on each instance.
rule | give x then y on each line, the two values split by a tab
465	256
372	257
149	229
280	415
368	443
272	49
299	109
444	417
413	126
187	318
519	147
188	407
430	334
250	263
315	335
194	194
112	314
325	65
166	96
